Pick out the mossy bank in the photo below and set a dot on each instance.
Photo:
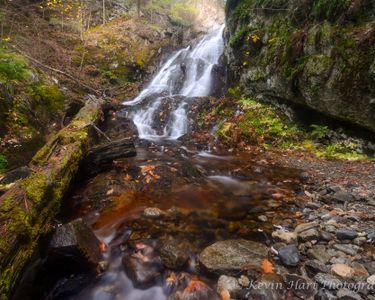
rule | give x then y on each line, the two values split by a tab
314	53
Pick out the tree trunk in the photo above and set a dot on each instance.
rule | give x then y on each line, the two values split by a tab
27	209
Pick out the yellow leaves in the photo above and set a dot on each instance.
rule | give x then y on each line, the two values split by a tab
148	172
7	39
267	267
253	38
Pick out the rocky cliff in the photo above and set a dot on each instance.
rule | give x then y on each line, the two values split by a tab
315	53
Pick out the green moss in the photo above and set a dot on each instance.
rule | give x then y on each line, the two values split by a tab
48	97
36	186
3	163
323	9
12	67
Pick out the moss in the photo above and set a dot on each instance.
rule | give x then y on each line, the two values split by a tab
3	163
48	97
36	186
323	9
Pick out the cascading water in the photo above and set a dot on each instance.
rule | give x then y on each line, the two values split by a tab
187	74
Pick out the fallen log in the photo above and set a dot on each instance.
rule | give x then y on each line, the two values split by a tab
29	206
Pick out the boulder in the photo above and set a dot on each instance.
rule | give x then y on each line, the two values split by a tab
229	256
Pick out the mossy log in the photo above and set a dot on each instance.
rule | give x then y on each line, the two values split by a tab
27	209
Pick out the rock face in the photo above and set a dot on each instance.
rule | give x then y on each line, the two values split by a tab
228	257
324	63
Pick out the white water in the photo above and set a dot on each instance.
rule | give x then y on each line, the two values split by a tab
187	74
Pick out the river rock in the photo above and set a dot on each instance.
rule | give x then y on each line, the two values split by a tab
343	271
302	287
316	266
346	294
347	248
328	281
371	280
229	256
75	238
143	266
324	294
305	226
346	234
284	236
152	213
174	254
360	272
289	256
262	290
309	235
228	283
321	253
342	197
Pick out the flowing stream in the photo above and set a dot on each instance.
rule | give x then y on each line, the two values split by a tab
175	194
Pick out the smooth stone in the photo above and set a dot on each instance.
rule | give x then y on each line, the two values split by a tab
342	197
347	248
244	281
284	236
346	234
326	236
324	294
346	294
370	266
316	266
360	272
305	226
321	253
228	283
343	271
228	257
289	256
153	212
175	253
371	280
262	290
302	287
309	235
263	218
359	241
328	281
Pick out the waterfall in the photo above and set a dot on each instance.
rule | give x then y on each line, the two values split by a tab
185	75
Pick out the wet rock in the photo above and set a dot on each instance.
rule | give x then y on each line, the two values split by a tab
194	290
244	281
309	235
262	290
359	241
328	281
284	236
228	283
228	257
342	197
174	254
305	226
370	266
347	248
76	238
326	236
324	294
302	287
343	271
153	213
321	253
371	280
360	272
263	218
289	256
143	266
346	294
346	234
315	266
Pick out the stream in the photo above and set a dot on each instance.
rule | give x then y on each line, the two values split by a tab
156	212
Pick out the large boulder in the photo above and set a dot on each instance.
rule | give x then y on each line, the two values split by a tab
230	256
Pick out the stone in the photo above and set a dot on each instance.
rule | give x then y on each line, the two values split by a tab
305	226
302	287
244	281
75	239
315	266
342	197
346	234
228	283
289	256
324	294
370	266
152	213
343	271
229	256
360	272
326	236
261	288
263	218
371	280
284	236
359	241
309	235
328	281
143	266
14	175
347	248
175	253
321	253
346	294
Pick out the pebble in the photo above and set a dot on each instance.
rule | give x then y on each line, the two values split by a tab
305	226
244	281
360	272
229	284
328	281
342	197
371	280
285	236
321	253
346	234
347	248
326	236
289	256
309	235
152	212
343	271
315	266
359	241
263	218
324	294
346	294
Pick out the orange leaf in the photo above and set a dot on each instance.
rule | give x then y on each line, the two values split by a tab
267	266
224	295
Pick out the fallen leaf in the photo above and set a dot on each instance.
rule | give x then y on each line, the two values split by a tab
267	266
224	295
